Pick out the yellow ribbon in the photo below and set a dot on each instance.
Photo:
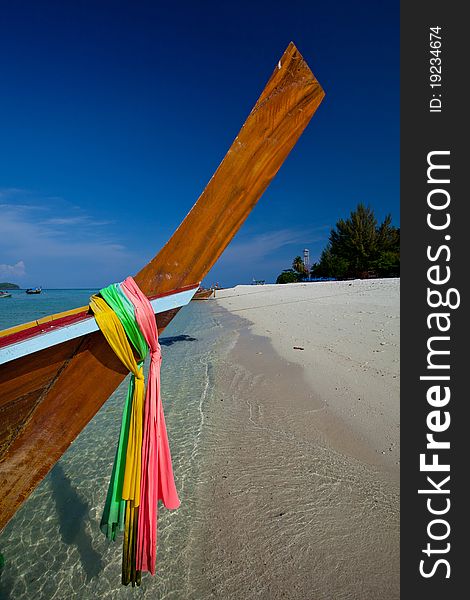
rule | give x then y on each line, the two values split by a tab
113	331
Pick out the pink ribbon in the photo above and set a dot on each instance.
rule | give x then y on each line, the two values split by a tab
157	481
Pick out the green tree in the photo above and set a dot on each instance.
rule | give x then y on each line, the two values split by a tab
330	265
355	239
358	245
288	276
388	264
299	267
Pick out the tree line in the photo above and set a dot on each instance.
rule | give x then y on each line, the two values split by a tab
357	247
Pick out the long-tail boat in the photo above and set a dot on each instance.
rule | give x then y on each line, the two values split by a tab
56	372
203	294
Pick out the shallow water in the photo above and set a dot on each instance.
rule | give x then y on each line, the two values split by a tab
53	547
269	509
283	513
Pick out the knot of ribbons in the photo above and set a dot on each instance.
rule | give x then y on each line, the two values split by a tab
142	471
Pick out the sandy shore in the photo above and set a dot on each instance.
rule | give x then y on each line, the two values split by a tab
349	335
301	486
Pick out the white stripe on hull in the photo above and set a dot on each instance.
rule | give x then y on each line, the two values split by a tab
58	335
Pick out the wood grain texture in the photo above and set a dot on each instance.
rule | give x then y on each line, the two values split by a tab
64	400
276	122
22	387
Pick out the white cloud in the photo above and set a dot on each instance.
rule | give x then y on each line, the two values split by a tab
263	245
60	243
13	271
264	254
22	233
72	221
64	221
8	192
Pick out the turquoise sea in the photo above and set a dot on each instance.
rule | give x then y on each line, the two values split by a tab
53	547
22	307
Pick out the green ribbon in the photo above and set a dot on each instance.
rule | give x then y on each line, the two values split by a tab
115	507
117	511
124	309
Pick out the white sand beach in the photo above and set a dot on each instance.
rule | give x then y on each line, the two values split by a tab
345	335
301	488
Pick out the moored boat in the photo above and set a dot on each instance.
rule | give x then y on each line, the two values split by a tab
37	290
203	294
56	372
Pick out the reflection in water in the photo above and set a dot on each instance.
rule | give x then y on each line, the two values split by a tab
72	513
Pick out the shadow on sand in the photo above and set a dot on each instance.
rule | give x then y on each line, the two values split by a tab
169	341
73	513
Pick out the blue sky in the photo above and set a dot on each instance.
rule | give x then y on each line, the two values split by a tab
114	116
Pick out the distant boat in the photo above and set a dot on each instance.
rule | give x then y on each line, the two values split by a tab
4	294
203	294
57	371
37	290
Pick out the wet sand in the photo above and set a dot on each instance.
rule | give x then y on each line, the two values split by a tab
301	478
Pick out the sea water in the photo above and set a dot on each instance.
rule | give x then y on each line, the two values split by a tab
23	307
53	546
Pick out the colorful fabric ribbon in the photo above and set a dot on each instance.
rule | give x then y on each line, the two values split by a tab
157	474
114	511
142	471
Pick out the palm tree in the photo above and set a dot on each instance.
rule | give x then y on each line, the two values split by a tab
299	267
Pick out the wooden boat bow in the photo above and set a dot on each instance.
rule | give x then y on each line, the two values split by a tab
47	398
